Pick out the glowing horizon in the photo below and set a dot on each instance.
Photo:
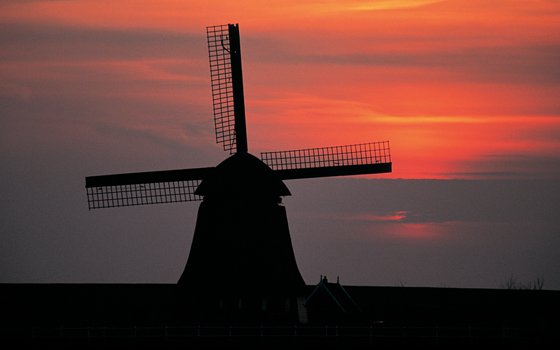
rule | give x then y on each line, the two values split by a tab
462	89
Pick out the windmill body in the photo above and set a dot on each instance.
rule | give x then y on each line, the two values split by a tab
242	234
241	252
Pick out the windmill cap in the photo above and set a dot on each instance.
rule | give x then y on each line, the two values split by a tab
243	175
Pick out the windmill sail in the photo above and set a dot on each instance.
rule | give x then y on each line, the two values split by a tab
229	117
358	159
227	87
153	187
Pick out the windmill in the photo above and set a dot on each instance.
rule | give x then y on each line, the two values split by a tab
241	245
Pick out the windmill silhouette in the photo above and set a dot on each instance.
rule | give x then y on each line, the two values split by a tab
241	245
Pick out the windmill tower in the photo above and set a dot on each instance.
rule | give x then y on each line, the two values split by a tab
241	250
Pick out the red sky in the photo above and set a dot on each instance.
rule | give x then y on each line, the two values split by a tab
461	88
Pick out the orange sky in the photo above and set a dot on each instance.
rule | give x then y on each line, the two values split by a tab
462	89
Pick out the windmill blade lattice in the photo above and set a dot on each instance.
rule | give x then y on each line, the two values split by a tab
364	158
154	187
222	86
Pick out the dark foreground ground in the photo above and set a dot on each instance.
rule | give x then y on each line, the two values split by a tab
119	316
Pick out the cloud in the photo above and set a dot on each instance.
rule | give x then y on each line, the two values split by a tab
515	165
517	64
40	42
432	201
396	216
390	4
461	232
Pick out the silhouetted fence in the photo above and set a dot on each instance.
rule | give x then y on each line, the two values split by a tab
372	333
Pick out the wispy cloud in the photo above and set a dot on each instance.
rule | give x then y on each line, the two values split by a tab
63	42
441	201
399	215
390	4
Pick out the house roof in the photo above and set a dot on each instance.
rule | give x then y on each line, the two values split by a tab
334	292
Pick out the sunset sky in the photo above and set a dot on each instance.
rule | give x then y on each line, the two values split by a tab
466	91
